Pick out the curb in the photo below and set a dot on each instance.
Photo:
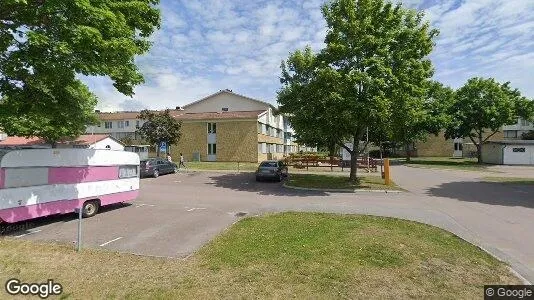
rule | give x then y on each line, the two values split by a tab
340	190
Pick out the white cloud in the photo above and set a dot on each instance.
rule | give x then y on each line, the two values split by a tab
208	45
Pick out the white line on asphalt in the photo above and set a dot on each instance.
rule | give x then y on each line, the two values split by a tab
139	205
195	208
114	240
28	233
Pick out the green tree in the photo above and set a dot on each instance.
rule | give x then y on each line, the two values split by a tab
160	127
372	47
46	45
481	107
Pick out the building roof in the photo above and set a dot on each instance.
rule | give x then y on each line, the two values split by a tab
513	142
227	91
85	139
122	115
220	115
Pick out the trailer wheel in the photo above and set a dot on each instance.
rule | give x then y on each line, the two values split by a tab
90	208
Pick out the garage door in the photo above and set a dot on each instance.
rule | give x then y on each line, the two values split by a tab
518	155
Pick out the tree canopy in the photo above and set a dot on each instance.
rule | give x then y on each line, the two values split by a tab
160	127
376	57
45	45
481	107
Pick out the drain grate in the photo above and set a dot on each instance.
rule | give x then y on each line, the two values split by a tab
240	214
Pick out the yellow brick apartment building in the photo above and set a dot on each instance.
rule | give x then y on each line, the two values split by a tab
224	126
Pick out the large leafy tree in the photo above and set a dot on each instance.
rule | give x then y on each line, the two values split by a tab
160	127
46	44
481	107
372	49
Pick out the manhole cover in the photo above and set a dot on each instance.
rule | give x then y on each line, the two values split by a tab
240	214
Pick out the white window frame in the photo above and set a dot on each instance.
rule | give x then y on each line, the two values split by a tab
212	149
108	125
212	128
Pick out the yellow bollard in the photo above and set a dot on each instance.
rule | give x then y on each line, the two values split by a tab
386	171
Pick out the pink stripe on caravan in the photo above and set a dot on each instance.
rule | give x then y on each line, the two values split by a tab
65	175
2	176
17	214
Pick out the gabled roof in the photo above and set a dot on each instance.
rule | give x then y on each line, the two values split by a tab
85	139
220	115
227	91
123	115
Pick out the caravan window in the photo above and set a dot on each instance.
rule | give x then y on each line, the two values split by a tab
127	171
518	149
24	177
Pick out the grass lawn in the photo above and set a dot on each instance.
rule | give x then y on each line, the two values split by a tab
510	180
466	164
288	255
320	181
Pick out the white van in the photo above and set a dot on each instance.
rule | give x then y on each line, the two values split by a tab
42	182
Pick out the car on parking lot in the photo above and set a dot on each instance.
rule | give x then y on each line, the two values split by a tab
271	169
153	167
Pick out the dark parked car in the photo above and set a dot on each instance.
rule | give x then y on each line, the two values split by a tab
271	169
153	167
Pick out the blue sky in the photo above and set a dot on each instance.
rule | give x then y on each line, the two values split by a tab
209	45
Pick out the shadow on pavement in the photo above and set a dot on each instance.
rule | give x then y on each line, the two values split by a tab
14	229
487	192
246	182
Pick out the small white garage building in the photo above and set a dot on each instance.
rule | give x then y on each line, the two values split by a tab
510	152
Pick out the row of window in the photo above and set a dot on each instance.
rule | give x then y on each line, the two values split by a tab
275	148
270	131
120	124
122	135
524	122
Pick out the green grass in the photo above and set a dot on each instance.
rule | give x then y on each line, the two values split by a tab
510	180
465	164
320	181
288	255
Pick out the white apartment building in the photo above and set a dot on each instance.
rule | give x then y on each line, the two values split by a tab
515	131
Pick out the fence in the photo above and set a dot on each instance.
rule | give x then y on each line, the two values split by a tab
307	161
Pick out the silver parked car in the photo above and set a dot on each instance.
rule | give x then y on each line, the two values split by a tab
271	169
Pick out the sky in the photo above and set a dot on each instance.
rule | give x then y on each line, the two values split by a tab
209	45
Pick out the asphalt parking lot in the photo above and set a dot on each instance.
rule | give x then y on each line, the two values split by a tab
176	214
173	216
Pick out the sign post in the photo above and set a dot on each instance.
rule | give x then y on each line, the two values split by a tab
79	236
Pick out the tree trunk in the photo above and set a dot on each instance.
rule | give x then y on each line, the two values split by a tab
408	154
353	166
53	144
354	160
479	148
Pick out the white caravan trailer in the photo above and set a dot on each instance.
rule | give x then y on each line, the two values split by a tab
41	182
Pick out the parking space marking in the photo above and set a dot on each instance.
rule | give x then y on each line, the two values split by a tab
196	208
28	233
109	242
141	205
